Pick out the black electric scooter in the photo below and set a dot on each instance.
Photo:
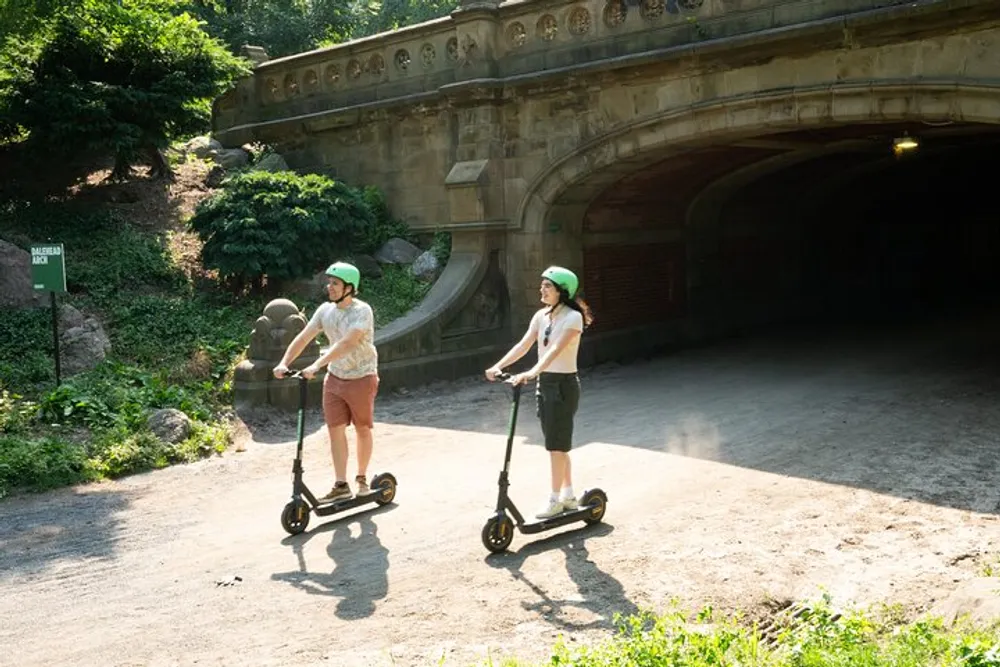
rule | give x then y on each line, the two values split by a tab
499	529
295	516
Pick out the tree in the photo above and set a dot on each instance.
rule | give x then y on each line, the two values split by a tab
124	76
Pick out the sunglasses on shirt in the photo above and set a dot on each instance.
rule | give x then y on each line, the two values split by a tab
548	331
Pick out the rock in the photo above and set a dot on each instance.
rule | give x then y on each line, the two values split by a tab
397	251
15	278
70	317
202	147
230	158
215	176
271	162
426	267
83	347
368	267
978	598
169	425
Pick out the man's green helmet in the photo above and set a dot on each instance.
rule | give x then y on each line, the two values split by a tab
564	278
346	272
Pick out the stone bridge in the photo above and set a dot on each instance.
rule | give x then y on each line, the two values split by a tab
667	150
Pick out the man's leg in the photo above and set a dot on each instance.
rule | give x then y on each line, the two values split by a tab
365	442
338	449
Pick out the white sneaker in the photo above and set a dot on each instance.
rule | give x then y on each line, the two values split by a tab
555	507
570	503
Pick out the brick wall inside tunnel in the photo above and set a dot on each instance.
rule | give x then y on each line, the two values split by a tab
634	285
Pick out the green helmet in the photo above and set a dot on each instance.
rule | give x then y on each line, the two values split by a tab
564	278
346	272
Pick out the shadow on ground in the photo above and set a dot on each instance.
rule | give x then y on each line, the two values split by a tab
359	576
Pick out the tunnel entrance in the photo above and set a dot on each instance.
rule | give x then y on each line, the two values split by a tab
828	225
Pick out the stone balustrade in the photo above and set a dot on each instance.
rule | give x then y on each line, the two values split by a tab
490	40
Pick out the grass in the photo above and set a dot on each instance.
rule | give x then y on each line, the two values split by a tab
817	637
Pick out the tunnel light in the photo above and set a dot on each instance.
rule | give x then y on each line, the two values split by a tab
904	144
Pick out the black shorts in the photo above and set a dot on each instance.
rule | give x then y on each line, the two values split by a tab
558	396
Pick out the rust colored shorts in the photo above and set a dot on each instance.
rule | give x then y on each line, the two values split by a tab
349	401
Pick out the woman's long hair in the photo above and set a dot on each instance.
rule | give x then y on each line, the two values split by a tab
577	304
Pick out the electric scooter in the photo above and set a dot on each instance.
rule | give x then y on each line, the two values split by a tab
499	529
295	516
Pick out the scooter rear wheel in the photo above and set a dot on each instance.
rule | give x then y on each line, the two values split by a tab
597	501
384	485
295	517
498	533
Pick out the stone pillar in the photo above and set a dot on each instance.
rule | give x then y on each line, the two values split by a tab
254	382
477	28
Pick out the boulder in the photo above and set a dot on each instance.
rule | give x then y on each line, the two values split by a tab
271	162
15	278
426	267
368	267
201	147
397	251
169	425
83	347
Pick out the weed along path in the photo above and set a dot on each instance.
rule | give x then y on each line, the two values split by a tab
740	476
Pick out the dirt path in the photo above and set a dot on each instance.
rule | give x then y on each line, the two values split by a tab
737	475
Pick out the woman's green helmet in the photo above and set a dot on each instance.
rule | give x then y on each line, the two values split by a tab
346	272
564	278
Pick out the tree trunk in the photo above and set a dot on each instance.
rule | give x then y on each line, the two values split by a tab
158	163
122	169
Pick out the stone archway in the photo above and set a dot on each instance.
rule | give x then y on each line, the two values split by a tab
560	196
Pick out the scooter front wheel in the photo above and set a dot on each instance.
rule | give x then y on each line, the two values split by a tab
295	517
498	533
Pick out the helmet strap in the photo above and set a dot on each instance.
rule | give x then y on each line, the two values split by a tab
345	295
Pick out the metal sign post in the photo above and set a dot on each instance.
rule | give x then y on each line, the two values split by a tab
48	273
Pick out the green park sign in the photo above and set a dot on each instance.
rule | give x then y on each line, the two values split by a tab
48	267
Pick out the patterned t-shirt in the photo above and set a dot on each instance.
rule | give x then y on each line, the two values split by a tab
335	322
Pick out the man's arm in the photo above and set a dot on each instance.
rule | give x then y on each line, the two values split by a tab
295	348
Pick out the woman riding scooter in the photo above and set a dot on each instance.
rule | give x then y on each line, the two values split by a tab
557	328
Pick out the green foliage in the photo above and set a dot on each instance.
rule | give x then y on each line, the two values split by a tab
23	364
817	637
441	247
376	17
394	294
39	464
120	76
280	225
383	226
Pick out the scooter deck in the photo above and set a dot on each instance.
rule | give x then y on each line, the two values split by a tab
343	504
579	514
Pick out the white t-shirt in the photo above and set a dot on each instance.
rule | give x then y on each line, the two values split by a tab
335	322
564	319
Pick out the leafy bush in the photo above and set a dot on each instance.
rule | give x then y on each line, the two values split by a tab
441	247
279	225
41	463
383	227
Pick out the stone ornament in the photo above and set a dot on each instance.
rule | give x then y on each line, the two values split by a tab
516	35
579	21
615	12
402	60
271	88
427	54
291	85
690	5
353	69
376	64
451	48
332	75
311	81
547	27
652	9
468	50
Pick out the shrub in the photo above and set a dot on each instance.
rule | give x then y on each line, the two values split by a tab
278	225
